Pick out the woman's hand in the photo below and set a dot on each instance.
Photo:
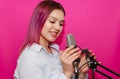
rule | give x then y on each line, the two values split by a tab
85	68
67	57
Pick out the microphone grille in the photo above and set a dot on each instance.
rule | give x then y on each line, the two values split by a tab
70	40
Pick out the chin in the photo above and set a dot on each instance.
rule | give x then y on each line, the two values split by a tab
52	40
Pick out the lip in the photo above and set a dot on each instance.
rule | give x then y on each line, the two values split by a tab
53	33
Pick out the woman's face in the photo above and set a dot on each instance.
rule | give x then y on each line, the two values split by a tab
53	26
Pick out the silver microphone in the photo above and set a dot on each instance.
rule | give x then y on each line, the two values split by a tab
71	42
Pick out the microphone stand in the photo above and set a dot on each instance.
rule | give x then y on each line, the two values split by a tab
76	71
93	65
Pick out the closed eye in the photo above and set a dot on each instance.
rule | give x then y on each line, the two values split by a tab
52	22
62	23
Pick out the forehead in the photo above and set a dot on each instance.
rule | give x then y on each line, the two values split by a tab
58	14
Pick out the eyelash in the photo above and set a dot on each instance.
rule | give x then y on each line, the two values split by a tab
54	22
61	24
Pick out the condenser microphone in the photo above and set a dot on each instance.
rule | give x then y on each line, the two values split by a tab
71	42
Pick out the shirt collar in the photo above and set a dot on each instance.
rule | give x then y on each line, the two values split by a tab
38	47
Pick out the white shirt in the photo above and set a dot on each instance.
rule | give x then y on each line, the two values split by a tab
36	63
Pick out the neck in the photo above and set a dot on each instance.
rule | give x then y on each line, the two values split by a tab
45	44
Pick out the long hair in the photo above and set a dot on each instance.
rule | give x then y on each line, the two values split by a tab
39	16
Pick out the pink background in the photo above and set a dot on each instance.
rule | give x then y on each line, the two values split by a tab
94	23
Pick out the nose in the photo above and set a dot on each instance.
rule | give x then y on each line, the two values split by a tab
57	26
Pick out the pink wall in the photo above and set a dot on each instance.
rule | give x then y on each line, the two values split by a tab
94	23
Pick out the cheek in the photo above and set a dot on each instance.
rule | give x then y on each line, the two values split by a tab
44	30
61	29
46	27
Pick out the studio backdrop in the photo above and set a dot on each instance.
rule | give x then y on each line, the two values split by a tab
95	25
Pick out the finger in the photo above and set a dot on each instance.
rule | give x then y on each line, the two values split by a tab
65	55
67	50
63	52
85	68
83	58
74	56
72	52
80	54
90	51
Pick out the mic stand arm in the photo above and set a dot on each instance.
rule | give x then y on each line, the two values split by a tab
103	74
93	65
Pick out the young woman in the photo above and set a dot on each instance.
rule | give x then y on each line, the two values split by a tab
40	58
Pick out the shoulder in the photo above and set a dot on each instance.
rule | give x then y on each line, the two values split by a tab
30	54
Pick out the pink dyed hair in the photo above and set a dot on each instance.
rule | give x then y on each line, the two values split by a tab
39	16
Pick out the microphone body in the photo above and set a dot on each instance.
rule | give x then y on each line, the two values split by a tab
71	42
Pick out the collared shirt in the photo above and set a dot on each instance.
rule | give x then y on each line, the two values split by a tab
36	63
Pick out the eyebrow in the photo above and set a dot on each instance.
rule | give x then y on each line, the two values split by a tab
56	18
